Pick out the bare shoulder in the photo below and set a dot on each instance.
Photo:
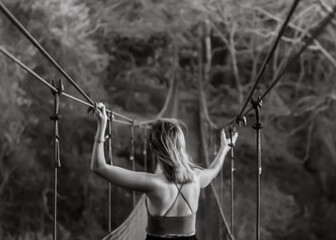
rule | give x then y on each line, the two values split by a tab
159	186
158	180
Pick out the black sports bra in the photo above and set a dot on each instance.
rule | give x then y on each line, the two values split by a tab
167	226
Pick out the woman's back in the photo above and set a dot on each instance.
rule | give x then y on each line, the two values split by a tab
171	209
168	200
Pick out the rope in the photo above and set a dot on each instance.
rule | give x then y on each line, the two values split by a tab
51	87
258	126
9	55
232	179
311	36
131	158
110	162
25	32
90	103
145	149
221	191
57	161
260	73
269	56
315	33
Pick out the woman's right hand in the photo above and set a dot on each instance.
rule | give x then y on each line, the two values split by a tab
100	114
226	142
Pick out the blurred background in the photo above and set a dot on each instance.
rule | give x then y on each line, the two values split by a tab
130	54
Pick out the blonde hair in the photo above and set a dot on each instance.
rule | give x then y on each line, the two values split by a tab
167	145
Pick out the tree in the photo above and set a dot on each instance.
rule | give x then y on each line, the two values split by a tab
128	54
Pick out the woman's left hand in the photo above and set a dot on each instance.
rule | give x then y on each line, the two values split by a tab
226	142
100	114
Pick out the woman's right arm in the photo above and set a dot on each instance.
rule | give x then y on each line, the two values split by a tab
208	174
138	181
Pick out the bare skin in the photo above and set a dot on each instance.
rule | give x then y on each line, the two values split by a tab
160	192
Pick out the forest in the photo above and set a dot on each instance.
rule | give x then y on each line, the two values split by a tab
201	55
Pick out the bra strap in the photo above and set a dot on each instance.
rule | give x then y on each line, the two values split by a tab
186	202
184	198
178	193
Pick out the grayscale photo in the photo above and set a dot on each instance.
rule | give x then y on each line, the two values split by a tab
167	119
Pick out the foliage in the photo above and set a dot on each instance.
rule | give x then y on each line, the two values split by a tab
127	53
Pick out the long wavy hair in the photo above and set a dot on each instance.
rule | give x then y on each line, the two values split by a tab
168	148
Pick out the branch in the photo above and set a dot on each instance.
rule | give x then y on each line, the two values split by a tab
309	138
327	8
317	46
234	63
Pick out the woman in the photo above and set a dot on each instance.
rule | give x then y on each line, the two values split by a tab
173	191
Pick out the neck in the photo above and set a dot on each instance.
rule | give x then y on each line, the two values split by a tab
158	168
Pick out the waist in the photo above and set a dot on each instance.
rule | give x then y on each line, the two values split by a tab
180	226
149	237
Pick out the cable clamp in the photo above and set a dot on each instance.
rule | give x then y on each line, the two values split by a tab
108	136
93	109
59	87
55	117
231	131
256	102
58	138
257	126
110	116
241	120
58	155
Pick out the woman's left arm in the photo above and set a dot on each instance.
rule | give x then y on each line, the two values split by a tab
138	181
